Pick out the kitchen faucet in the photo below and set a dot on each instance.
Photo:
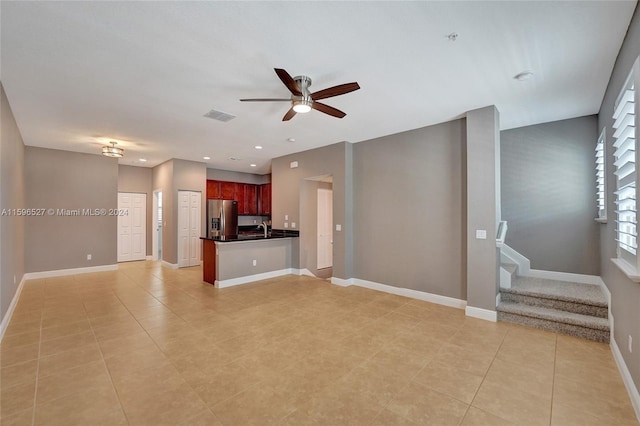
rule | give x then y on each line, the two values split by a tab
263	225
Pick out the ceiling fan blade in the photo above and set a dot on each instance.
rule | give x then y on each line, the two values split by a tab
340	89
288	81
328	109
289	115
266	100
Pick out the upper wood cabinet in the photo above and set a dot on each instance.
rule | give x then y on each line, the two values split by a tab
228	190
250	199
246	194
265	199
213	190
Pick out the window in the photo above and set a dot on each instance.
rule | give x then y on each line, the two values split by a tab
625	163
601	189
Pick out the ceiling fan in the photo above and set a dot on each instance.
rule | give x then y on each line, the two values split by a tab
302	100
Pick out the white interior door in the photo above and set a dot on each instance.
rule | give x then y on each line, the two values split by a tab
132	230
325	228
189	221
184	229
194	228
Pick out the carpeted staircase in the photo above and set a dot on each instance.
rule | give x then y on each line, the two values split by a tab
569	308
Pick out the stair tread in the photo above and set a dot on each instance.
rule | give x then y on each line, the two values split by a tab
588	294
554	315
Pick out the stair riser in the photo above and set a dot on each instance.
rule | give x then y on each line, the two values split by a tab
578	308
568	329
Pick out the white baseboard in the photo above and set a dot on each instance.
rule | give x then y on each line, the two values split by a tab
149	258
342	282
626	377
169	265
483	314
65	272
251	278
14	302
563	276
407	292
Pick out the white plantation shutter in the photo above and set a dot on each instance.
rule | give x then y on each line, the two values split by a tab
600	177
625	165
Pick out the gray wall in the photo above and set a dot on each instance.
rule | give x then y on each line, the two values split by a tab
333	160
408	209
549	194
235	260
229	176
69	180
12	190
140	180
625	294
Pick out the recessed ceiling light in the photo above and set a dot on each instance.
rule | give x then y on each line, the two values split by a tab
252	165
258	147
206	158
143	160
524	75
291	140
234	159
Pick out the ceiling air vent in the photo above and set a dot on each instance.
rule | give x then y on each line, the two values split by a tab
219	115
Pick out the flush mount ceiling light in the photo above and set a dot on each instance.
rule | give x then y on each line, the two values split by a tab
143	160
206	158
252	165
258	147
113	150
524	75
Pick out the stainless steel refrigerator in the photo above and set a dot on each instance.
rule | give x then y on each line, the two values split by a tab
222	218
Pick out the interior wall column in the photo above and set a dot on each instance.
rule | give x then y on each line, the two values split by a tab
483	211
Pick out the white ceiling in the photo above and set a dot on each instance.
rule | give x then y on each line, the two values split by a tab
78	74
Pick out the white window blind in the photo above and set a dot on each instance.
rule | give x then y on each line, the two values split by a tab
625	164
600	177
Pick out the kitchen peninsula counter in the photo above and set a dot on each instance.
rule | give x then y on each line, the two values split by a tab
240	259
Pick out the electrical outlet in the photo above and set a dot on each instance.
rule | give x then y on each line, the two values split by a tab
286	217
286	224
481	234
255	221
293	224
88	257
338	227
255	262
630	344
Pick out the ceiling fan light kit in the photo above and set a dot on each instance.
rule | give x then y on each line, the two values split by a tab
303	101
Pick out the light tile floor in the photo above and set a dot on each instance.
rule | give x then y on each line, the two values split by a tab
146	345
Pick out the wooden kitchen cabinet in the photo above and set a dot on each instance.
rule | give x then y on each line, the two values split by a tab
213	190
265	200
251	199
228	190
246	194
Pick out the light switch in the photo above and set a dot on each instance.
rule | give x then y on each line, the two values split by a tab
286	217
293	164
286	224
293	224
338	227
481	234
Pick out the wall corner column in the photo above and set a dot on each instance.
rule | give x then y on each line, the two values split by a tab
483	211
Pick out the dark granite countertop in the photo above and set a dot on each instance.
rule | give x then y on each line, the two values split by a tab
274	234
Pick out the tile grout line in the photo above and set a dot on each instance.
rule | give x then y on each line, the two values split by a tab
553	380
35	390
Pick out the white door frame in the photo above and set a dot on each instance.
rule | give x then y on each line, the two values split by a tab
324	212
154	229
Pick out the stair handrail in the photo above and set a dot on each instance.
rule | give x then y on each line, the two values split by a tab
502	233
